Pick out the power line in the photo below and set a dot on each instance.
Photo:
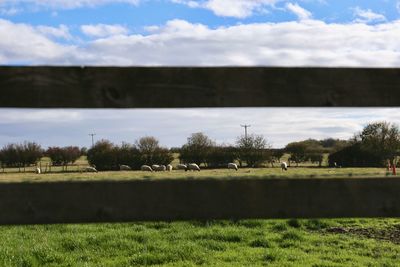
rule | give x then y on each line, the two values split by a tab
92	135
245	129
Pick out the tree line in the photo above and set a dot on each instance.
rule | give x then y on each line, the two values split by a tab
376	145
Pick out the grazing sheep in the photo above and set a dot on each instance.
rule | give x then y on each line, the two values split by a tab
160	168
146	168
181	167
232	166
124	168
169	167
155	166
90	169
284	166
193	167
38	171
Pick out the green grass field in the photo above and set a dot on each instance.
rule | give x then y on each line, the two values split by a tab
261	173
333	242
340	242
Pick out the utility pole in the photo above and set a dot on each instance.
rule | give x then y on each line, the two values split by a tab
92	134
245	129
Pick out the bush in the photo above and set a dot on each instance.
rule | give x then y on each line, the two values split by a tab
107	156
355	156
128	155
21	155
220	156
63	155
152	153
254	150
103	155
197	149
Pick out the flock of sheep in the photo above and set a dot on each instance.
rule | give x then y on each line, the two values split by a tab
158	168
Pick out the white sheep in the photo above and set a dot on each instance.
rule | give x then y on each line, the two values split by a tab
193	167
284	166
160	168
169	167
146	168
155	166
181	167
232	166
38	171
90	169
124	168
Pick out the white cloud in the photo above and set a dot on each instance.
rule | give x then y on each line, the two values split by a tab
178	42
61	32
103	30
300	12
16	116
229	8
31	45
367	15
63	4
9	11
278	125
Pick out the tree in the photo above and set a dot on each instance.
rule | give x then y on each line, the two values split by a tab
103	155
253	149
128	154
196	149
220	156
316	158
377	143
152	153
63	155
354	156
21	155
297	151
382	138
10	155
277	154
147	144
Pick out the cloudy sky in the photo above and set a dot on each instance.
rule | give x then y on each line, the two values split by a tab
195	33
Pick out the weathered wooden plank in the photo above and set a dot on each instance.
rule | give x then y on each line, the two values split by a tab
160	87
78	202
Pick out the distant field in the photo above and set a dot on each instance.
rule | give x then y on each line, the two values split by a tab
261	173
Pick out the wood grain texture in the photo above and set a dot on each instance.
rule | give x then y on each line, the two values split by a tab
179	87
81	202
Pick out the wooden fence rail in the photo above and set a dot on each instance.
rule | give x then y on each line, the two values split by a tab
137	87
77	202
161	87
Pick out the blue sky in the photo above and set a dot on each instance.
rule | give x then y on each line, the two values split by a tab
195	33
204	32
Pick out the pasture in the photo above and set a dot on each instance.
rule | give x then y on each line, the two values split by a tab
336	242
322	242
73	173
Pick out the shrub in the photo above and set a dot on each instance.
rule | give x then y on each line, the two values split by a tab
103	155
254	150
18	155
63	155
197	149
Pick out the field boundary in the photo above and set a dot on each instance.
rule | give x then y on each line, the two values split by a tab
205	199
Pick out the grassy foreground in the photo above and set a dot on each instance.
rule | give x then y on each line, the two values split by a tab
341	242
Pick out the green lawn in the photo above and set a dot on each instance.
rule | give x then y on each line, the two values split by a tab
340	242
